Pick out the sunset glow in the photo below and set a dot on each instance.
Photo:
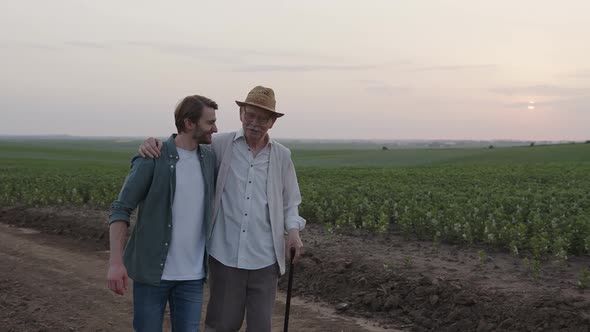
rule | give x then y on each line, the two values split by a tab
339	70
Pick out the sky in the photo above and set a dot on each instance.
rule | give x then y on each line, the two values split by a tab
464	69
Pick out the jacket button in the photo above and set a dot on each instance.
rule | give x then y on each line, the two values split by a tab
171	166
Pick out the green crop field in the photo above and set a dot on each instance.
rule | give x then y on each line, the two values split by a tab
534	199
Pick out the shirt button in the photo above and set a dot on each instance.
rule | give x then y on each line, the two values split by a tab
166	244
243	231
169	225
249	181
246	214
251	165
171	166
247	197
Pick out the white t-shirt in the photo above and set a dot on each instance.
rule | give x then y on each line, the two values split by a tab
187	248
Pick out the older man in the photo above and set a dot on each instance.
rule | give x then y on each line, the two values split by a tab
256	204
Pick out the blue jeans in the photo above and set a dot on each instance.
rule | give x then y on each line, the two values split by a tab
184	297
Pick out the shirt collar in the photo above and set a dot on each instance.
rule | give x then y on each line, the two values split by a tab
173	151
239	134
171	147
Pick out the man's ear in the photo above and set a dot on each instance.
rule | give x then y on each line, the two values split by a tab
272	122
189	125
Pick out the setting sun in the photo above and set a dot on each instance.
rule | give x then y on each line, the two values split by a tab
531	105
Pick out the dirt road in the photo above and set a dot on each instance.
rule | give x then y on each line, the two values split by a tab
52	283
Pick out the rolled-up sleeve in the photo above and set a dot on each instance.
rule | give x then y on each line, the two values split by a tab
134	190
291	198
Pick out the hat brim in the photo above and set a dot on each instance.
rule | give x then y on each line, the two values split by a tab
242	103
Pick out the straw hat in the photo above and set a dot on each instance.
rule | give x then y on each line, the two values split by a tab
263	98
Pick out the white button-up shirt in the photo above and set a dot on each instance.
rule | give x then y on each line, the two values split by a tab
242	236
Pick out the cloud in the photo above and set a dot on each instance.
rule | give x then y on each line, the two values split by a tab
30	45
231	55
453	68
301	68
572	104
321	66
578	104
540	90
187	50
224	55
584	73
238	59
378	87
54	46
91	45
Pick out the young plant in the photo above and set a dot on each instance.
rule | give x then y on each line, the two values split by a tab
408	263
533	267
483	257
584	281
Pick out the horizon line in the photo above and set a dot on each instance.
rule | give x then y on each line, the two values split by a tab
306	138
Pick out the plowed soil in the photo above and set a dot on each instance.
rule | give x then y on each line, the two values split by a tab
54	281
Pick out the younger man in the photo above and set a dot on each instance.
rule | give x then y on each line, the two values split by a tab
165	255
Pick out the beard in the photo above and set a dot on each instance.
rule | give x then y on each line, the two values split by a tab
201	136
257	131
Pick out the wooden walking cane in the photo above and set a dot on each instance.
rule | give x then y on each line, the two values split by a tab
289	286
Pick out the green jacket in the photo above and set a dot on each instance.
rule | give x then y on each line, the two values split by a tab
150	185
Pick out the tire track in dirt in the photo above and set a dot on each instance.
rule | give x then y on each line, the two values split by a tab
50	283
53	289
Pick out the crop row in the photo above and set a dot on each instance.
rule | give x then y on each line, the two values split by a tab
542	209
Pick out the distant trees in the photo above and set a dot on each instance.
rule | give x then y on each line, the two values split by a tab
532	144
384	148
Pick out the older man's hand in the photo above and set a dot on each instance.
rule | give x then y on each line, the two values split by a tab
294	241
150	148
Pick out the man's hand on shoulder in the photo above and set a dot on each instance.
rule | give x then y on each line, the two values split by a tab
150	148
